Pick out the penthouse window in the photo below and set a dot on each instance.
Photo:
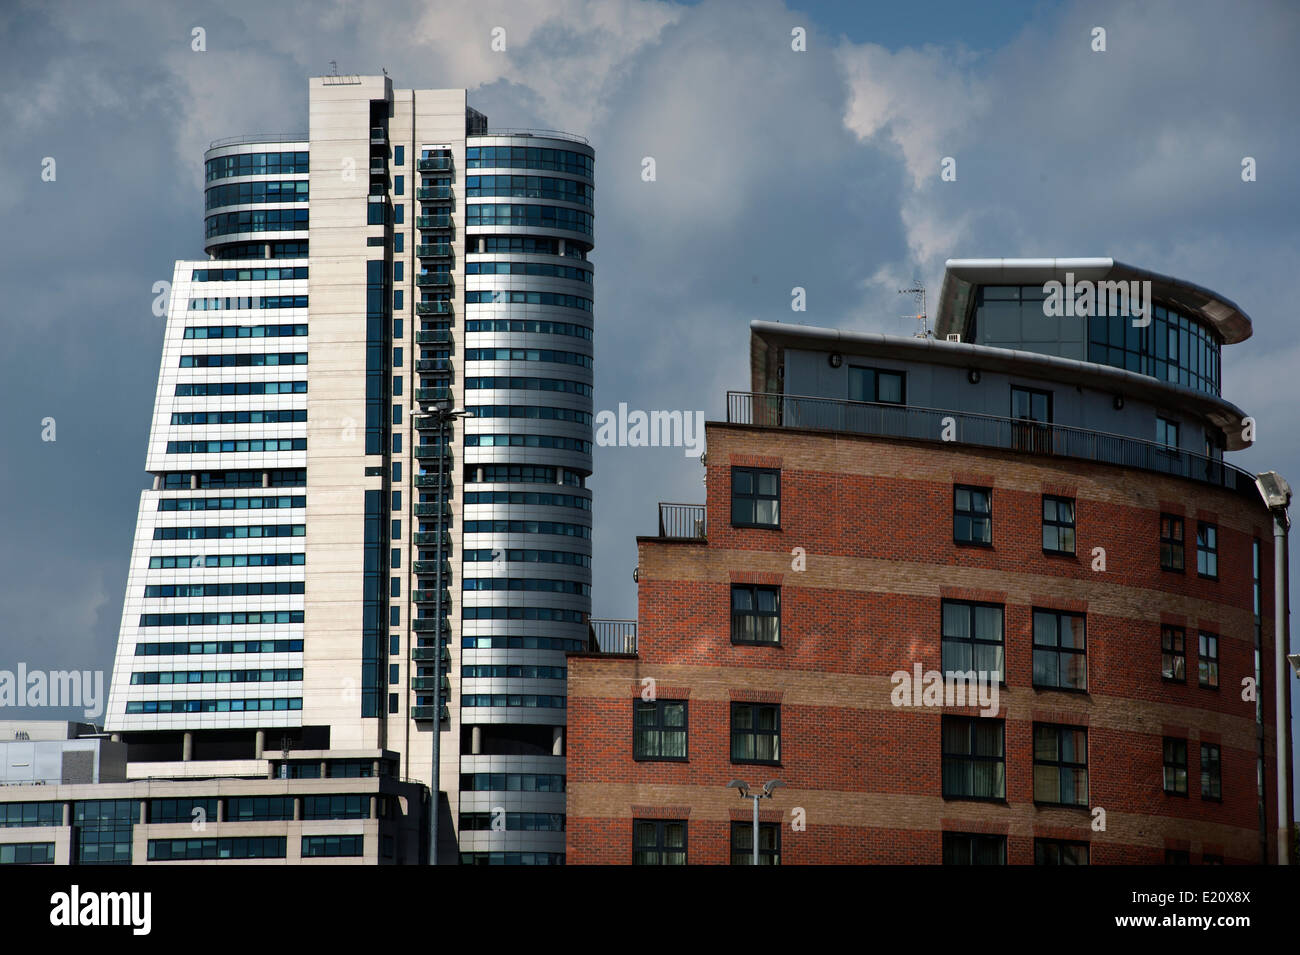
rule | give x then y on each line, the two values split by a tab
659	842
1207	550
1207	662
1060	852
969	848
877	385
1175	757
1060	651
755	614
974	758
1058	524
973	638
755	733
972	521
659	730
1173	654
1171	543
1060	765
755	497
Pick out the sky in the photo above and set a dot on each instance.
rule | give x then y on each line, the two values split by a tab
775	168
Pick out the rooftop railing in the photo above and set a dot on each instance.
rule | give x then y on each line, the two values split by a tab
612	636
686	521
539	133
1012	434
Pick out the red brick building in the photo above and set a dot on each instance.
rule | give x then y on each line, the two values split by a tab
1108	589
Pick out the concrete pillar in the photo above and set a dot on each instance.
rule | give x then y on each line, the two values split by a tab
323	770
194	482
374	808
221	809
67	815
266	479
562	248
116	737
476	740
297	809
157	482
258	743
557	741
187	747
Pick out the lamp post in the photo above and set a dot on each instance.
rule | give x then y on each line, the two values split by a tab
766	792
1277	497
442	412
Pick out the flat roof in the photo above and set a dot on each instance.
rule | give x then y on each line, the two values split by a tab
961	276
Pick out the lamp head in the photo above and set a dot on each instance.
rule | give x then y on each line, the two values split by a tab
1274	490
740	786
771	786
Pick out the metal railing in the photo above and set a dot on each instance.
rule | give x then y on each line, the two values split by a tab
438	250
990	431
433	163
612	636
540	133
258	138
687	521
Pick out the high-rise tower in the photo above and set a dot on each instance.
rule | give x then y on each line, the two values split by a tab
398	262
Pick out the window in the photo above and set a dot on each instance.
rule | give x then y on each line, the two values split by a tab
742	843
1175	766
973	638
1211	774
875	384
967	848
755	733
331	846
659	730
755	614
1178	857
1060	765
1207	550
1058	525
399	155
972	521
755	497
974	758
1171	542
1060	852
659	842
1173	654
1207	663
1060	650
1167	433
1030	404
1211	859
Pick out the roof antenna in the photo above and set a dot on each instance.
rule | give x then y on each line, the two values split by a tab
917	291
334	67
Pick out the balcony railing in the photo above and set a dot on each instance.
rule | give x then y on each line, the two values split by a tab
433	192
687	521
612	636
433	222
378	134
428	683
431	510
1013	434
431	596
433	164
441	336
430	624
432	451
433	364
431	567
432	394
430	539
428	654
435	250
433	278
426	713
433	308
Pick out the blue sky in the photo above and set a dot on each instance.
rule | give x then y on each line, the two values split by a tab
775	169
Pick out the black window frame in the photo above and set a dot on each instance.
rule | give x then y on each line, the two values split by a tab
1204	640
1060	525
1061	765
974	641
660	846
1212	780
1211	550
965	842
638	751
755	732
1057	649
1169	634
970	722
766	856
1170	544
1175	765
1042	846
971	514
755	613
755	496
1032	393
875	384
1169	425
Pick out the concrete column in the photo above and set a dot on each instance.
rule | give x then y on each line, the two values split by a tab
557	741
67	814
476	740
221	809
187	747
266	479
157	482
562	247
116	737
194	482
323	771
258	743
297	809
374	808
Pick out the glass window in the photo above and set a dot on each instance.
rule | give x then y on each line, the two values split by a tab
1058	525
1207	662
659	842
1175	756
659	730
1207	550
1167	433
1060	765
972	515
755	497
755	614
1171	542
755	733
974	758
877	385
1211	775
1060	650
969	848
973	638
1030	404
742	843
1060	852
1173	654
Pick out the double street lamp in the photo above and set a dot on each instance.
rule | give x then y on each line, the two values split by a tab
1277	497
766	792
443	413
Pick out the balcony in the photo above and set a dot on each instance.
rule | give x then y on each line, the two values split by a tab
683	521
611	636
431	567
432	480
431	596
433	364
428	683
432	451
432	394
378	135
430	538
433	192
440	336
433	308
433	222
436	250
426	654
426	713
989	431
433	278
430	625
433	164
431	510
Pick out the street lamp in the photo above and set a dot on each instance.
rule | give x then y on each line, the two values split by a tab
1277	498
442	412
768	789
